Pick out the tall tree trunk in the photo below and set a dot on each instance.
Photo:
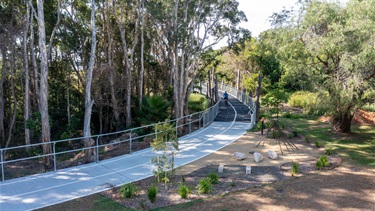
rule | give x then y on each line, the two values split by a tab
90	154
141	73
4	60
238	79
257	103
34	64
12	76
111	68
43	95
128	59
26	105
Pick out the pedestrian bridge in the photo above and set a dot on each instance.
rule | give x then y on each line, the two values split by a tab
206	132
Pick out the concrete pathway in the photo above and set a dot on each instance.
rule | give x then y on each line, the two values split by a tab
37	191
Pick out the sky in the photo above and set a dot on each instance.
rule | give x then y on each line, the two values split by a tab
258	11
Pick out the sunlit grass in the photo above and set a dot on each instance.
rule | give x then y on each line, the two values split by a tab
358	147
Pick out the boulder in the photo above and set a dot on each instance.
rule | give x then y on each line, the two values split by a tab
239	155
272	154
257	157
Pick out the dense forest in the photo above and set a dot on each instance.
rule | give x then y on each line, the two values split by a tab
74	68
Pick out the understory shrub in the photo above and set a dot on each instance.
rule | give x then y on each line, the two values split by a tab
329	151
214	178
204	185
128	190
184	190
197	102
322	162
312	103
295	168
151	193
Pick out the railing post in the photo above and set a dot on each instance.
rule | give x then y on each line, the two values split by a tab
189	124
2	165
54	157
97	149
131	141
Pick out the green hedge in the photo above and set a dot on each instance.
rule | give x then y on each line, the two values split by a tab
197	102
311	103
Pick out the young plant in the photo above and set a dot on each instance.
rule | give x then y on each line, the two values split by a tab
151	193
317	144
184	190
128	190
322	162
329	151
204	186
307	139
295	169
214	178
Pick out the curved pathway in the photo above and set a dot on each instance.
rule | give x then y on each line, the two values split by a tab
37	191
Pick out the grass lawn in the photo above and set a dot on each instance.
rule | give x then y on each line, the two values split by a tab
357	147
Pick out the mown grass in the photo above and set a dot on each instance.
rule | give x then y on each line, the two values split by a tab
358	146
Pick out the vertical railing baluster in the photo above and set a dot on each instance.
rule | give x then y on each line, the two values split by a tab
54	157
2	165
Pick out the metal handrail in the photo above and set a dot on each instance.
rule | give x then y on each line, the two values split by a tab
202	119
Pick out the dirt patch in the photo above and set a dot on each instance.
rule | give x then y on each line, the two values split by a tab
234	177
361	117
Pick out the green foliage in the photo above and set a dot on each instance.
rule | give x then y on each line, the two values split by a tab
312	103
287	115
153	109
322	162
184	190
204	185
128	190
151	193
295	133
369	107
295	169
214	178
34	123
165	140
197	102
307	139
317	144
329	151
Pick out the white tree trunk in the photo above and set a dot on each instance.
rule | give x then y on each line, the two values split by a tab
26	105
34	64
2	132
90	153
141	74
43	95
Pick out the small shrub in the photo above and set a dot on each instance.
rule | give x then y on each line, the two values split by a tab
128	190
307	139
233	184
287	115
151	193
182	178
322	162
329	151
290	135
317	144
197	102
295	168
204	186
312	103
184	190
295	133
214	178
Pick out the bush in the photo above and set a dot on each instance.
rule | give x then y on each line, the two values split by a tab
322	162
295	133
197	102
151	193
295	168
184	190
287	115
204	186
312	103
214	178
317	144
329	151
128	190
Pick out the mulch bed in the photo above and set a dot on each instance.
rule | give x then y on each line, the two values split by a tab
233	178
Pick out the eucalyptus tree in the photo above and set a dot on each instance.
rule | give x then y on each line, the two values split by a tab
90	153
341	39
187	28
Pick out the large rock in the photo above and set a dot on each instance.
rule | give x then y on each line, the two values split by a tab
272	154
239	155
257	157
